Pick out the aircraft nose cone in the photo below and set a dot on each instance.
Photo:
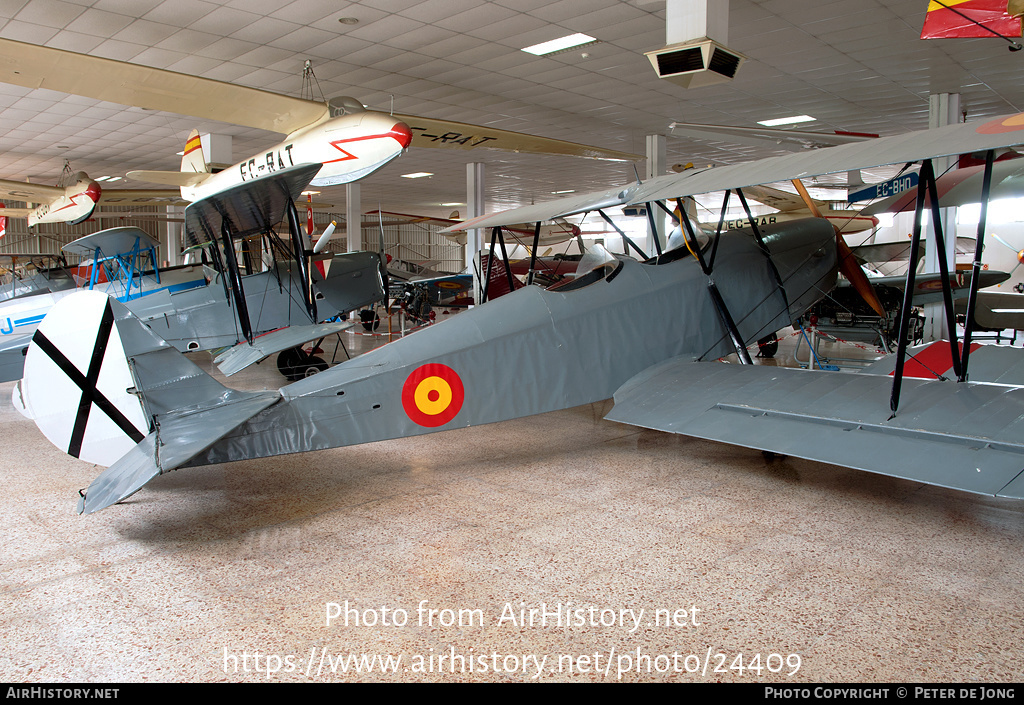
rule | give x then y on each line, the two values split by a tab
93	190
402	134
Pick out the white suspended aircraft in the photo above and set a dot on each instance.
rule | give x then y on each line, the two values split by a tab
76	200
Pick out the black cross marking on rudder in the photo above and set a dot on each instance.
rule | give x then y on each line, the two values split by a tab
87	383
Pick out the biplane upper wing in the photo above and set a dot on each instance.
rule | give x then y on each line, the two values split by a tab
111	241
960	187
841	418
1004	131
789	140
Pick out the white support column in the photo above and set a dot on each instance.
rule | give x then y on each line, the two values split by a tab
173	235
694	19
656	158
353	218
474	208
943	109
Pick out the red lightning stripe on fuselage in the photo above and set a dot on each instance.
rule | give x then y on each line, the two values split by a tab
399	133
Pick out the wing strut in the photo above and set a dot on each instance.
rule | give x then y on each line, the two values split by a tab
497	236
654	227
625	238
533	252
764	249
236	279
495	232
302	255
928	175
723	311
972	299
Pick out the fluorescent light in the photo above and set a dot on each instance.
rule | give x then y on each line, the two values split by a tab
786	120
565	43
417	175
572	190
453	204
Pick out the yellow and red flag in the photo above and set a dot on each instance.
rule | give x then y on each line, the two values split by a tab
948	19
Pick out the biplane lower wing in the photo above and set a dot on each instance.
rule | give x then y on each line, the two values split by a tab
239	356
961	436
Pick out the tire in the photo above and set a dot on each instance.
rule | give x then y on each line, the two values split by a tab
370	320
288	361
312	366
768	346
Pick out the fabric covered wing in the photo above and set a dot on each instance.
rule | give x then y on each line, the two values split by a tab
238	357
999	132
841	418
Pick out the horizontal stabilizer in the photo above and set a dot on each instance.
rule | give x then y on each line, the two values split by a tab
188	432
122	396
841	418
240	356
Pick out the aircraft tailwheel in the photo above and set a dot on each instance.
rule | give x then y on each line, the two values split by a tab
768	346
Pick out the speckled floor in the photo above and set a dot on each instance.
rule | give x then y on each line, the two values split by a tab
798	570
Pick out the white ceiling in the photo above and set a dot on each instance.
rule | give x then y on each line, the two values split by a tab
855	65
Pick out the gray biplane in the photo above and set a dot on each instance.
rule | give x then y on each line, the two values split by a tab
108	390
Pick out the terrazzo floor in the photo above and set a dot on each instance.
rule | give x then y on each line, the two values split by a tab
430	553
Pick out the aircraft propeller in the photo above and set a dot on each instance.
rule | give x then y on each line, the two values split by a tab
325	238
848	265
1020	253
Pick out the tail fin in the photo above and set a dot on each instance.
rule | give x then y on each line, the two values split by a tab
104	388
193	160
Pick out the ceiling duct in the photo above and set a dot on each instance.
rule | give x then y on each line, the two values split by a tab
696	64
695	55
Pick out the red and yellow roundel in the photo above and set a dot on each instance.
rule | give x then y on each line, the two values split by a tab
1010	123
432	395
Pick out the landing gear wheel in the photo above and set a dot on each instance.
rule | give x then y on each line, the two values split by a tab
312	366
290	359
768	346
370	319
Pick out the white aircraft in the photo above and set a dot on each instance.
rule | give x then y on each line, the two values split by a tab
75	200
350	141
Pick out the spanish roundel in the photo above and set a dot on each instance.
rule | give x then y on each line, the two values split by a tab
432	395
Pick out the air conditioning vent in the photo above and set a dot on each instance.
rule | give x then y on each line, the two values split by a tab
695	64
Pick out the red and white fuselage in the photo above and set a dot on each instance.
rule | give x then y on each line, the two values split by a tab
74	206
